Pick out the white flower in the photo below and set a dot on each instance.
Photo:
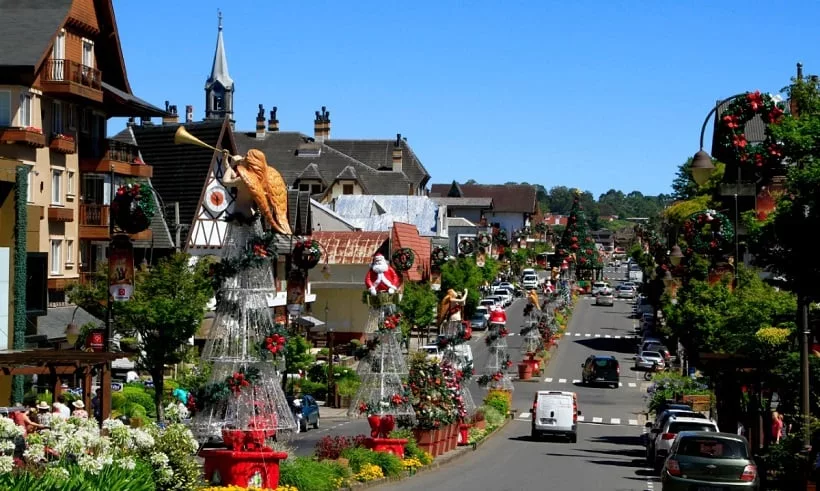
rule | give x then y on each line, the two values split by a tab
8	429
6	464
110	424
58	472
142	439
90	464
6	446
126	463
159	459
35	452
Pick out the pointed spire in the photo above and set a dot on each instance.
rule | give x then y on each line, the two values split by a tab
219	70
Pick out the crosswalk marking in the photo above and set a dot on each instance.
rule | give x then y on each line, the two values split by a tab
525	416
597	335
620	384
597	420
580	419
577	334
576	381
568	334
548	380
607	336
587	335
617	337
615	421
562	380
633	422
632	385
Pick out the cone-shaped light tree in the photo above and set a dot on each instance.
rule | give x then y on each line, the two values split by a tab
577	245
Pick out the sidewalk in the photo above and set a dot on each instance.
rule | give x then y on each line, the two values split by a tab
332	412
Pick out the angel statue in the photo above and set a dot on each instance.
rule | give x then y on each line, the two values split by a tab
260	185
451	307
532	296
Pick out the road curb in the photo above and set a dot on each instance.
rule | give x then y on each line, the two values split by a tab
438	463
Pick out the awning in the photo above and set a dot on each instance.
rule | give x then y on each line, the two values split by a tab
308	321
122	104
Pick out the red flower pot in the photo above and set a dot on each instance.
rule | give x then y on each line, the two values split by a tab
375	422
233	439
524	371
463	434
388	422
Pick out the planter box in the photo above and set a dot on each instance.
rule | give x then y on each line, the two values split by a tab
61	145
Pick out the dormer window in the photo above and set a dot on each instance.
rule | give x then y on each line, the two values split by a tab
312	188
347	188
309	151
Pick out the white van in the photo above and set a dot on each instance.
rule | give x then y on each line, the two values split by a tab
528	272
555	413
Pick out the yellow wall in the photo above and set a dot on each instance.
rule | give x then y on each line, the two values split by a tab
338	189
345	310
7	221
42	162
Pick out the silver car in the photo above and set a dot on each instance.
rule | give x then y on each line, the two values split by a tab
648	359
625	291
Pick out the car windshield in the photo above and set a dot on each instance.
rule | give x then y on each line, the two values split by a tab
478	317
681	426
713	448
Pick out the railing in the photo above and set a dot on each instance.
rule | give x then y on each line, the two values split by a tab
94	215
71	71
108	149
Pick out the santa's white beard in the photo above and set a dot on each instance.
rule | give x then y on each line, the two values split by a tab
380	267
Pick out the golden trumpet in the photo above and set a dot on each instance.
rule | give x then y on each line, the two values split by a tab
182	137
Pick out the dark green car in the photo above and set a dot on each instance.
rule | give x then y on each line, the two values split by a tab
707	461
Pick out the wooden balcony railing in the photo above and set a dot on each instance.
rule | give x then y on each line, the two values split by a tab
94	215
69	78
108	155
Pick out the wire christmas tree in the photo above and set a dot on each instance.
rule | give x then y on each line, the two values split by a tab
577	245
245	346
498	360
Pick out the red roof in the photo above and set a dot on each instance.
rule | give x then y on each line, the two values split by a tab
351	247
407	235
555	219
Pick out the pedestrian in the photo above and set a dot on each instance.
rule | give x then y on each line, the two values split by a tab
777	426
96	405
79	410
61	407
43	416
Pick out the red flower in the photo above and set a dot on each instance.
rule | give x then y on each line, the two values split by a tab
730	121
739	141
775	114
755	100
269	340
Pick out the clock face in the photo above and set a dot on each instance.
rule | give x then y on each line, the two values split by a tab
216	199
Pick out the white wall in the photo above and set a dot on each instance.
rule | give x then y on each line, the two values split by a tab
507	220
5	297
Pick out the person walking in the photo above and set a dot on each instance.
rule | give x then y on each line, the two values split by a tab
79	410
777	426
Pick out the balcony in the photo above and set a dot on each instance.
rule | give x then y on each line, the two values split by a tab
742	189
60	214
115	156
62	143
69	79
26	136
95	224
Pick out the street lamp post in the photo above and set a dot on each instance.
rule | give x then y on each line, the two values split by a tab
330	379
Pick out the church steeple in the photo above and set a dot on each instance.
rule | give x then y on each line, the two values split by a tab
220	87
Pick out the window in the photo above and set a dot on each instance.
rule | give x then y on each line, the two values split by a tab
5	108
315	188
30	190
56	187
85	120
25	110
347	188
56	117
58	57
69	184
71	117
69	252
219	103
56	255
88	53
304	187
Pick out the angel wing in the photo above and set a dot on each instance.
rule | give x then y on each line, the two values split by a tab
278	199
533	297
443	309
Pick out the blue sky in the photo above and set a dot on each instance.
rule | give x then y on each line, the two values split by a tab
587	94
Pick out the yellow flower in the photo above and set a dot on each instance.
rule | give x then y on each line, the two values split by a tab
369	472
426	458
411	463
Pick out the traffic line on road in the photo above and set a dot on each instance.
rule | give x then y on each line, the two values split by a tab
632	385
548	380
597	335
562	380
596	420
586	335
633	422
525	416
576	381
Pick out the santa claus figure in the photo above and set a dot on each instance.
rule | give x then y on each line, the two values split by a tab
382	277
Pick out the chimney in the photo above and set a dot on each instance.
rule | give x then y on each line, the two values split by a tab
792	103
172	117
397	157
273	123
189	114
260	123
146	121
132	121
321	125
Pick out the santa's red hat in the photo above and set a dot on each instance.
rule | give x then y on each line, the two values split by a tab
498	317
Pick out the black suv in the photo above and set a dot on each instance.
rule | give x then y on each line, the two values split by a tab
601	369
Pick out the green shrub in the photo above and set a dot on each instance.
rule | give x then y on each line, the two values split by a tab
317	390
318	373
175	442
390	464
307	474
493	417
357	457
117	400
111	478
497	401
139	395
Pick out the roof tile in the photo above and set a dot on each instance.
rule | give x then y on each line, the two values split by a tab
518	198
351	247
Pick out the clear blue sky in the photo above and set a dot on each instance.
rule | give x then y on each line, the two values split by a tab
597	96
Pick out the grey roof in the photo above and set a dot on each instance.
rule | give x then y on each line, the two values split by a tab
282	152
133	105
160	233
347	173
53	324
459	222
27	29
126	136
331	212
219	69
377	213
311	172
463	202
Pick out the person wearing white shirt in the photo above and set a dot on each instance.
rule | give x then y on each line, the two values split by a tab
61	407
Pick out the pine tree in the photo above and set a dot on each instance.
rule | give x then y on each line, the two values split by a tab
577	245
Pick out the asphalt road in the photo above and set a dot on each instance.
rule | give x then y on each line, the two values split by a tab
608	455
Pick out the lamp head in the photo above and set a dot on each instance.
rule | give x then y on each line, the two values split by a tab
702	167
676	255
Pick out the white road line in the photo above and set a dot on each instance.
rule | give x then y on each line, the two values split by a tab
597	335
562	380
587	335
581	419
615	421
525	416
577	334
548	380
607	336
632	385
620	384
568	333
576	381
617	337
633	422
597	420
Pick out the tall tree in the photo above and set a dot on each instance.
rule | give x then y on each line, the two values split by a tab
684	186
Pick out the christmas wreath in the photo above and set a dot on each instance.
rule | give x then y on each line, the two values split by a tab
390	323
307	254
403	259
133	207
484	380
500	238
209	394
466	246
733	121
384	405
439	256
258	250
707	231
484	239
494	335
274	343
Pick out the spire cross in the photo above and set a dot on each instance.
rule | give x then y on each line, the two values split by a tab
219	14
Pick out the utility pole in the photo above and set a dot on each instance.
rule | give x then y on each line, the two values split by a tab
177	227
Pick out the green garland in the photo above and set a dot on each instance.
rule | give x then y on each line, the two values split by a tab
715	239
501	238
439	255
403	259
258	250
20	270
733	123
133	207
215	392
307	254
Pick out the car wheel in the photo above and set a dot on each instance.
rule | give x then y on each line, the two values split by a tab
316	424
534	435
304	425
573	438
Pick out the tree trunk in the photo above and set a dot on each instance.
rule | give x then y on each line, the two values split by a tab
158	374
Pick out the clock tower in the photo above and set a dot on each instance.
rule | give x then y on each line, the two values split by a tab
219	87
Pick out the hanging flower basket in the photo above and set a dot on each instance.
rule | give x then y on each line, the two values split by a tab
307	254
708	231
733	122
403	259
439	256
466	247
390	323
133	207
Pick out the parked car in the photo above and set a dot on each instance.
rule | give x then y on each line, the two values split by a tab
706	461
601	369
530	281
555	413
661	418
505	295
499	302
483	310
478	322
488	304
605	297
647	360
663	350
664	436
432	351
528	272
